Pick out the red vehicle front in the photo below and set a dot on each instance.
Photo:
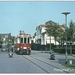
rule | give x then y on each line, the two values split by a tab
23	45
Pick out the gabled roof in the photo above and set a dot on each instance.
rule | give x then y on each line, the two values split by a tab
41	25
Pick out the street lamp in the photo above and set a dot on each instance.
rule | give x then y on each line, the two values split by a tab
66	13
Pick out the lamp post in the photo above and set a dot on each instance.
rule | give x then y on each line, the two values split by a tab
66	13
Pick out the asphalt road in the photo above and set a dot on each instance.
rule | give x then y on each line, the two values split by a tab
17	64
37	62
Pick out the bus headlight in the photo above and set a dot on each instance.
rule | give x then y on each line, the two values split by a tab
17	48
24	47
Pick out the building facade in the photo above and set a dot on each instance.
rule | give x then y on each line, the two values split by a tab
5	38
41	36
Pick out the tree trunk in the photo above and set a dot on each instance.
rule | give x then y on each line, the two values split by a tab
55	41
70	48
50	43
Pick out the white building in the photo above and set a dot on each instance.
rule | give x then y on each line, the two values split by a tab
41	37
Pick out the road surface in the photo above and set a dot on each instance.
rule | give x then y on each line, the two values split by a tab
37	62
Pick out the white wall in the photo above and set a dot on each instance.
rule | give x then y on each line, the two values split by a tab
45	39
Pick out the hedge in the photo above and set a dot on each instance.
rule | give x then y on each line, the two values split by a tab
63	50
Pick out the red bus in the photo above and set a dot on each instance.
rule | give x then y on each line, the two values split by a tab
23	44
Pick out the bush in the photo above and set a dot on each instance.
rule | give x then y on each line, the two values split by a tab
33	46
63	50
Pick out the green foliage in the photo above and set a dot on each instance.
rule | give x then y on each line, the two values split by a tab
62	50
1	41
8	45
61	35
70	31
55	30
50	27
34	46
0	46
71	66
11	40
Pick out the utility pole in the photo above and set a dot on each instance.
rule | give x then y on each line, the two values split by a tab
66	13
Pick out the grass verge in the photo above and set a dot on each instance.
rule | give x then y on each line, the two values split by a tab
69	65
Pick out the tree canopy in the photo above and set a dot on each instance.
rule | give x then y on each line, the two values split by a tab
54	29
59	31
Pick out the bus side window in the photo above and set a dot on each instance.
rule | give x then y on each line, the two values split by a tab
28	40
24	40
21	40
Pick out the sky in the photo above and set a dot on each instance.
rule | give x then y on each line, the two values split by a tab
26	16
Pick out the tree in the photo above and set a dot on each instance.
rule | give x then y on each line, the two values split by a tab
50	29
61	34
10	41
70	33
57	32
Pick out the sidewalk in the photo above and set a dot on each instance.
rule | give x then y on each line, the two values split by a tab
73	55
59	60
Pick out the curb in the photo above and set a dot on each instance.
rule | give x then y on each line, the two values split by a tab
73	55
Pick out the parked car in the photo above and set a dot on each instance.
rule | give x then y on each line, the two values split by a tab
4	48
